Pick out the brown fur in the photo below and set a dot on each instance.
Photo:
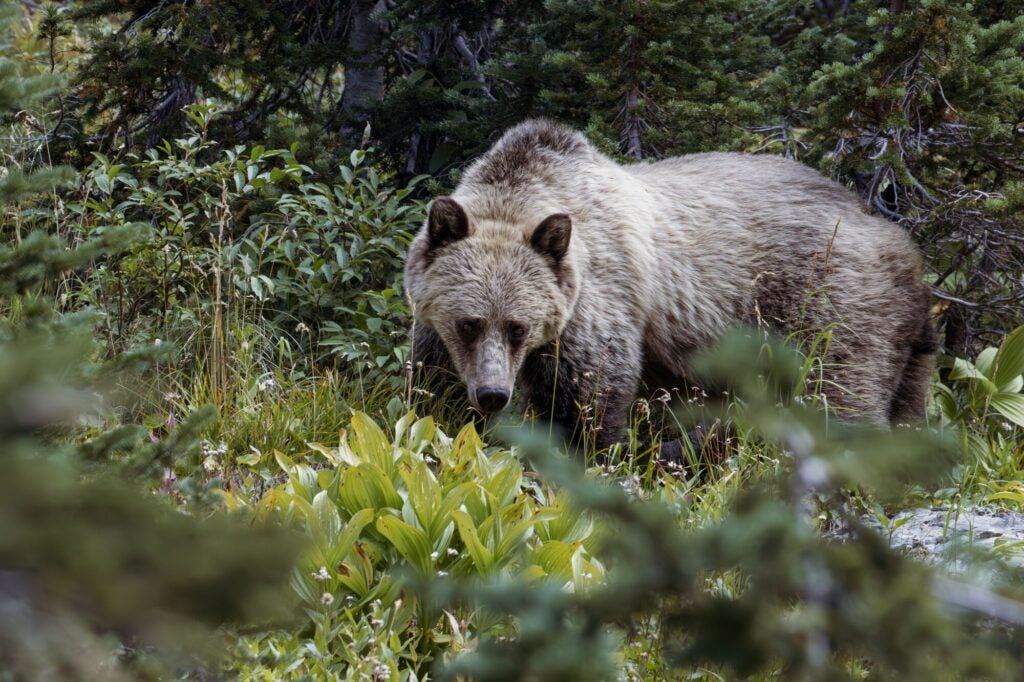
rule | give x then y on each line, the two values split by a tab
651	262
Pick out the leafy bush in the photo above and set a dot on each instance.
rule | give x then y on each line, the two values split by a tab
988	390
248	236
982	401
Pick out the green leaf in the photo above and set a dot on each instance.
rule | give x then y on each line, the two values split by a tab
450	501
965	370
421	434
1010	405
555	558
946	401
1008	496
330	453
370	444
986	361
515	536
1009	362
482	558
301	478
506	480
424	492
360	520
410	542
465	449
325	524
366	487
403	423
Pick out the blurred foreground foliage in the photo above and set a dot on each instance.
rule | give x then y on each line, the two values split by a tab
86	556
88	559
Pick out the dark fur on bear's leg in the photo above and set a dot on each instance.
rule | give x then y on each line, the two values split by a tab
707	440
908	402
432	368
585	391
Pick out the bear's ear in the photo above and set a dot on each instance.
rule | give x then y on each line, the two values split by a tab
446	223
551	237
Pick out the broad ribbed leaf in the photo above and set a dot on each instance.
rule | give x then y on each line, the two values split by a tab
370	444
423	491
986	361
1010	360
366	487
481	556
465	449
964	369
1010	405
410	542
449	503
556	558
946	401
326	522
331	454
421	434
354	528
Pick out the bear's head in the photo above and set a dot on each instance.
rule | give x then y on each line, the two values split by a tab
493	293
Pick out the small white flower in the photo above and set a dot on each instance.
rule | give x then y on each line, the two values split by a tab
301	328
322	574
382	670
453	552
442	573
434	555
157	342
326	598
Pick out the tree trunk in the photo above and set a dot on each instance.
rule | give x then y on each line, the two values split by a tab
632	125
364	67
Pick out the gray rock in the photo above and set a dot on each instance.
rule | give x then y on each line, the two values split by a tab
947	535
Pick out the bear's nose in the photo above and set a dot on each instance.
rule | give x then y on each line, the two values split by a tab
491	398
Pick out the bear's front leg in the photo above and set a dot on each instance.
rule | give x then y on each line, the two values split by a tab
586	388
430	362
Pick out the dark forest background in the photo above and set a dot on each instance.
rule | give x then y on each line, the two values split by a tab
917	105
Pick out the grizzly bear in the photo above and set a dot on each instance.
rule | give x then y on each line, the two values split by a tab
557	270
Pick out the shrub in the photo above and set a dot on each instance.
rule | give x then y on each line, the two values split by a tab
248	236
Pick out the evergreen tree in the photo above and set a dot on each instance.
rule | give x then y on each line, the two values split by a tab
649	78
441	105
20	95
256	59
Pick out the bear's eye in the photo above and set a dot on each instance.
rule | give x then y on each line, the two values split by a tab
516	331
469	329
